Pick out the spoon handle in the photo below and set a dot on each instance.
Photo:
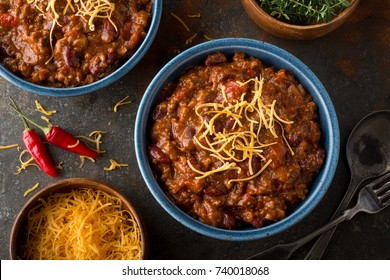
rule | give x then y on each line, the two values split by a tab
322	242
284	251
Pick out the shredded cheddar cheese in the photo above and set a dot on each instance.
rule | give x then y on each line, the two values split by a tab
59	165
75	144
115	165
82	160
97	134
181	21
9	146
40	108
25	164
189	40
122	102
46	119
238	144
30	190
84	224
88	10
194	15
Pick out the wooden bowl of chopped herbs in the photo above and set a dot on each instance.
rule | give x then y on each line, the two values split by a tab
299	19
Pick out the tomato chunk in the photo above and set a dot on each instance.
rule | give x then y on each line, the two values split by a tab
7	20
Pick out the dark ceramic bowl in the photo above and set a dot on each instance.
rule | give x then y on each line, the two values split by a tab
272	56
99	84
17	238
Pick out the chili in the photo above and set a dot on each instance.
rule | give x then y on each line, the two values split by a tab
37	149
59	137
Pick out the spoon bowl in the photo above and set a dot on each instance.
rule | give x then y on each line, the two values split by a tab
368	156
368	147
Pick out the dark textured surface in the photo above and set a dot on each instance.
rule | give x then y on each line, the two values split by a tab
353	63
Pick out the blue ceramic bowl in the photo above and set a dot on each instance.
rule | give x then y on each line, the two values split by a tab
114	76
269	55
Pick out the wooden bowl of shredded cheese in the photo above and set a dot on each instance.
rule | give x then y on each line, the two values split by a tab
78	219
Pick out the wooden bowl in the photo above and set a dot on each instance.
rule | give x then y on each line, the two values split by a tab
290	31
17	238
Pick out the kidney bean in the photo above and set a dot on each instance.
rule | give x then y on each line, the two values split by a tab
215	59
108	31
158	156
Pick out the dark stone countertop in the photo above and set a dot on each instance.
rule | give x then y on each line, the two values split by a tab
353	63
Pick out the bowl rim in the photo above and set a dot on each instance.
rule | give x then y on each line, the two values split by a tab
326	111
273	20
101	83
67	185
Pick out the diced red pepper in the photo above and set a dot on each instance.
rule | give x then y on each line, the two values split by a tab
7	20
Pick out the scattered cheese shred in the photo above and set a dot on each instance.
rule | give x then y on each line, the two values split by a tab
189	40
9	146
82	160
241	143
46	119
30	190
194	15
181	21
115	165
42	110
25	164
59	165
208	38
75	144
84	224
122	102
97	134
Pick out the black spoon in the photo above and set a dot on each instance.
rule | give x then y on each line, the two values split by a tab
368	156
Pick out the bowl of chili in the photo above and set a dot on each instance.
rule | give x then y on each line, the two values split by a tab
175	169
83	52
78	219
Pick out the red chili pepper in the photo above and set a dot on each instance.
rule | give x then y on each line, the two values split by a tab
63	139
37	149
59	137
7	20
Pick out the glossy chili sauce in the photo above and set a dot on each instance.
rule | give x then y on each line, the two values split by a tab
215	199
77	55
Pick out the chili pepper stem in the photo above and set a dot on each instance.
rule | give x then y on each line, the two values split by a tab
44	129
26	126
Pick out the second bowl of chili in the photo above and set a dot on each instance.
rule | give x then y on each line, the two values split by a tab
73	51
237	139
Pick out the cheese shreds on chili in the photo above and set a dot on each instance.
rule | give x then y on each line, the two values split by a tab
88	10
84	224
238	144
